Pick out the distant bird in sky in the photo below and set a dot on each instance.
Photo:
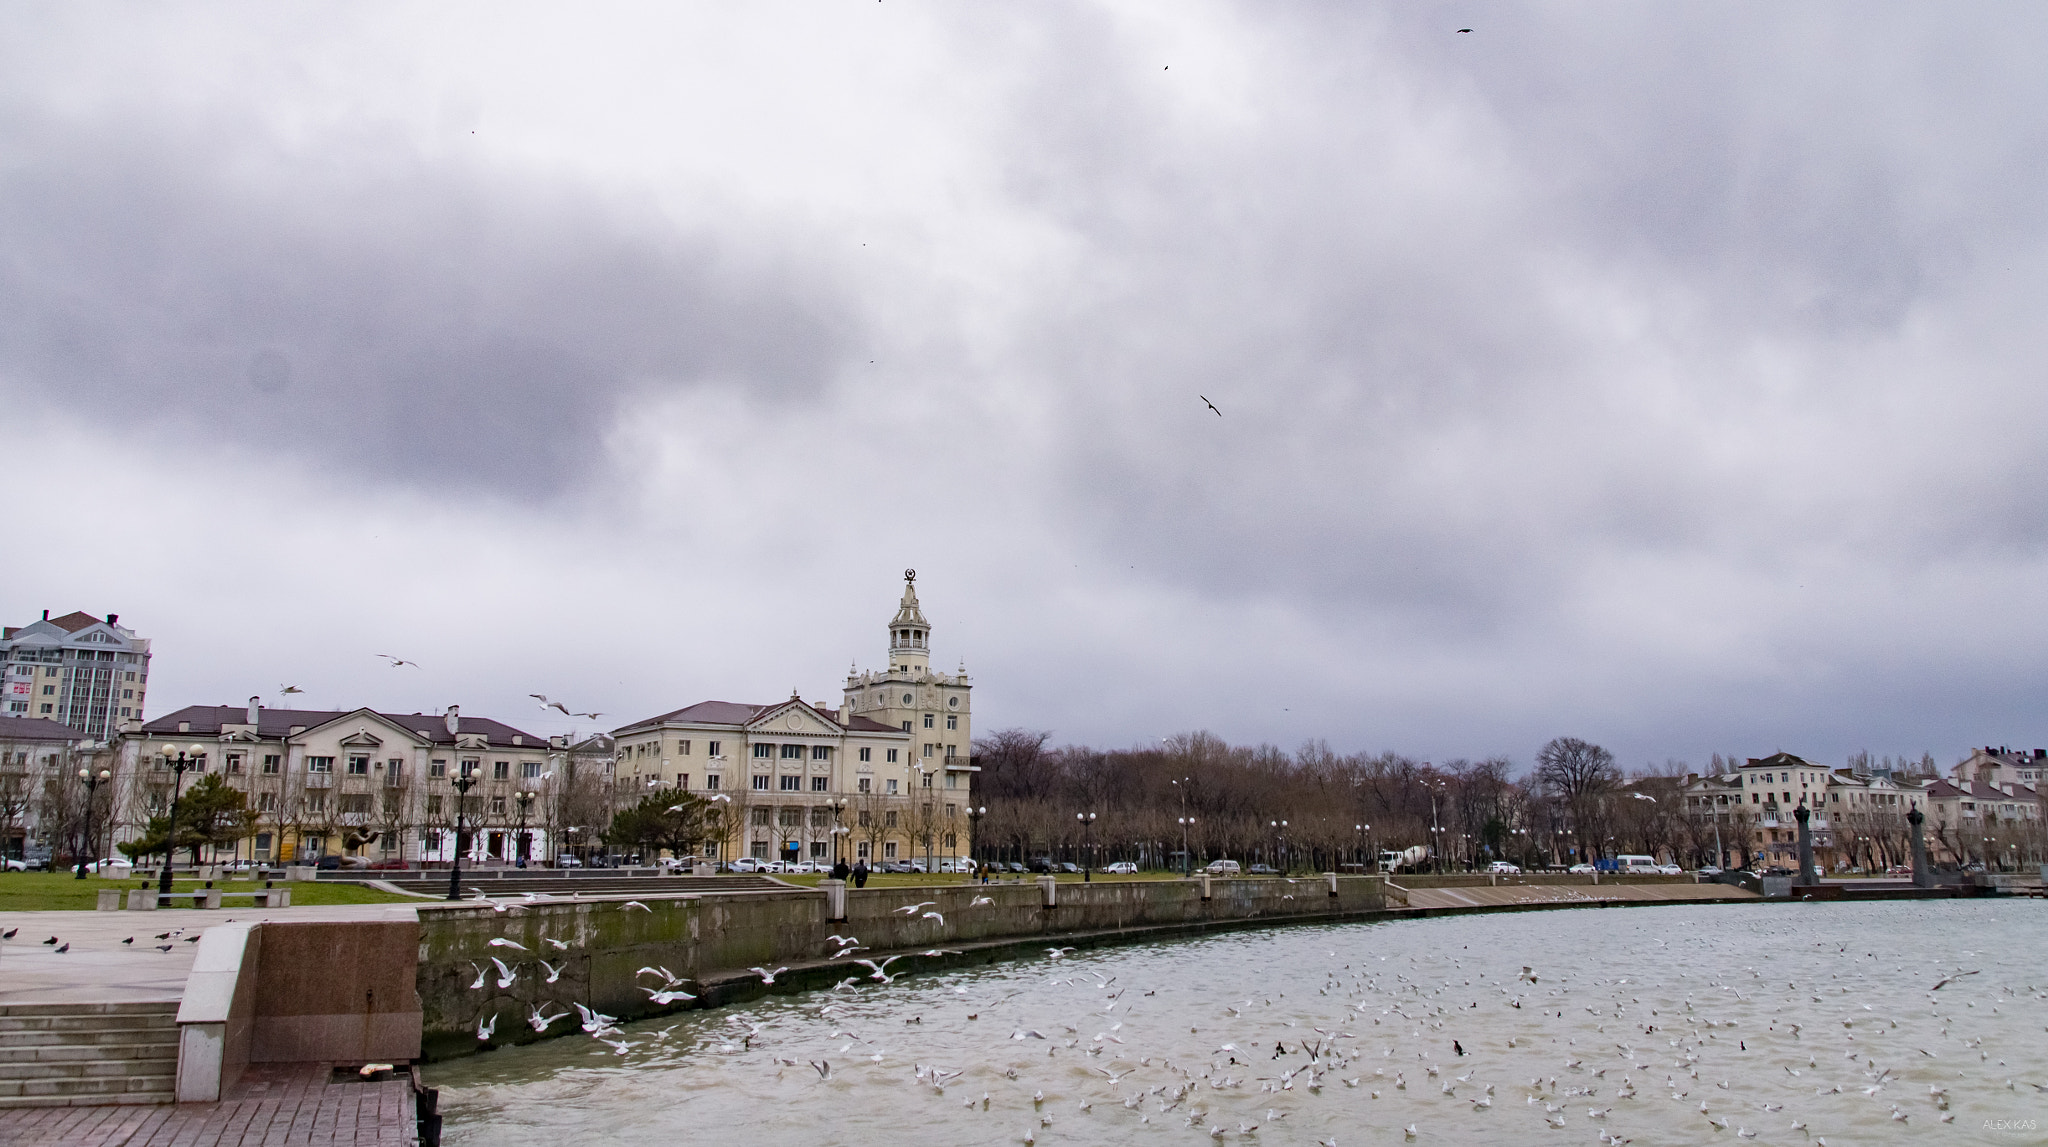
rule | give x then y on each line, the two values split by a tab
1462	30
287	690
1209	404
398	661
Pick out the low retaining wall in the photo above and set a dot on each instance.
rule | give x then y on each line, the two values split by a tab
712	940
293	992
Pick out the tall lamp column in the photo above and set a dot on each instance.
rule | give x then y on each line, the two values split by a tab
187	758
92	783
1087	820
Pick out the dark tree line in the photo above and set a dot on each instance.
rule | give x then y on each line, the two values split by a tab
1319	810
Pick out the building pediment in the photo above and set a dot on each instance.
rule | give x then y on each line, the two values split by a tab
793	717
363	728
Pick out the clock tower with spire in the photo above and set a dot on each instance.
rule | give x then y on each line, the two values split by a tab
933	707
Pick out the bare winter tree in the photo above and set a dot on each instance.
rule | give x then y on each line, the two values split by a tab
1579	773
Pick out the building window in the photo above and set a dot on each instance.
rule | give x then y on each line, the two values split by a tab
501	770
925	779
889	819
682	780
712	748
434	806
906	726
760	816
359	766
761	783
319	764
866	754
266	802
892	754
892	789
530	770
927	720
764	750
471	767
437	768
865	784
394	771
792	752
862	851
889	847
952	720
682	748
272	763
234	762
821	752
711	782
316	802
792	784
818	784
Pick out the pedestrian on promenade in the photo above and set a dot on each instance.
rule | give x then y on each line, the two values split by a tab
840	871
860	874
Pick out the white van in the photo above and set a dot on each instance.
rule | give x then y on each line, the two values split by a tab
1638	865
1223	868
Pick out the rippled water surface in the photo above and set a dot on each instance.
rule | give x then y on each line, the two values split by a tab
1627	1022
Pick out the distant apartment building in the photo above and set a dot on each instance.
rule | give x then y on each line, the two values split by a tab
41	799
357	782
1988	809
78	670
886	773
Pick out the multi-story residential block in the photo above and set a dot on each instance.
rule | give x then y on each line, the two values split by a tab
43	803
884	776
1988	810
357	782
77	670
1856	819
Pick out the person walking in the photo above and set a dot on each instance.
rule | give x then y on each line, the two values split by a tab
860	874
840	871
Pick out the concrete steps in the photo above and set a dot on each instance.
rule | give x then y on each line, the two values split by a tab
58	1055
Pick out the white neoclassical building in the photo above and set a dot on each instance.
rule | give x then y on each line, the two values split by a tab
884	776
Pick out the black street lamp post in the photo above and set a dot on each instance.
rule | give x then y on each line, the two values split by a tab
525	800
974	816
1087	820
838	807
1279	828
1187	859
187	758
92	783
463	782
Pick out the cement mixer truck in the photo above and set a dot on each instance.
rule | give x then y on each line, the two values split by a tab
1406	860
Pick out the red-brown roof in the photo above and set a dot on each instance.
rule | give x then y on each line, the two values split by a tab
431	727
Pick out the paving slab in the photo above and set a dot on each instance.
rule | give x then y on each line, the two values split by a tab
99	967
273	1104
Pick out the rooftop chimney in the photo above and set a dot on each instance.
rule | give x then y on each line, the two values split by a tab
255	709
46	615
113	618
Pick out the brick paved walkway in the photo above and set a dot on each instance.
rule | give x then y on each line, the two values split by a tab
273	1104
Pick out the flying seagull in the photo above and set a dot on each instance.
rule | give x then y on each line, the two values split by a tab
283	690
1209	404
398	661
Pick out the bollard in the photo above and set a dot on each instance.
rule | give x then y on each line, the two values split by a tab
1049	889
1205	886
142	900
1332	878
835	900
110	900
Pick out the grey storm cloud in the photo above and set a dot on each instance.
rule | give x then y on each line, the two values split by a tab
377	313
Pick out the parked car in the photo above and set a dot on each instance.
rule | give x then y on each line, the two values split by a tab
1223	868
567	860
900	867
1121	868
1041	864
1503	866
1262	870
1899	870
1637	864
13	865
747	864
1710	870
1670	870
1014	866
1582	869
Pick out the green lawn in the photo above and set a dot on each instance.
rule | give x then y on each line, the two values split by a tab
50	891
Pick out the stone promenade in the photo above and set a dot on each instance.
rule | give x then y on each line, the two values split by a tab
274	1104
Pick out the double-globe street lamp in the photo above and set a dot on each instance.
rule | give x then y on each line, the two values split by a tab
92	783
1187	859
190	757
838	807
1087	820
525	800
1279	828
974	816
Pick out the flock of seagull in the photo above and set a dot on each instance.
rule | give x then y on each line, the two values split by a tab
1423	1041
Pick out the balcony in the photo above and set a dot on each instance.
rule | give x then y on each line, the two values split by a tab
319	780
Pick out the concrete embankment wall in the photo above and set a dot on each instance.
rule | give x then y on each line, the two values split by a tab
711	940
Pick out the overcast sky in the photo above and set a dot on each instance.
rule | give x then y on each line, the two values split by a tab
1669	376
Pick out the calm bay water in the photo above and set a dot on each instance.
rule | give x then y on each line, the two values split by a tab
1626	1023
